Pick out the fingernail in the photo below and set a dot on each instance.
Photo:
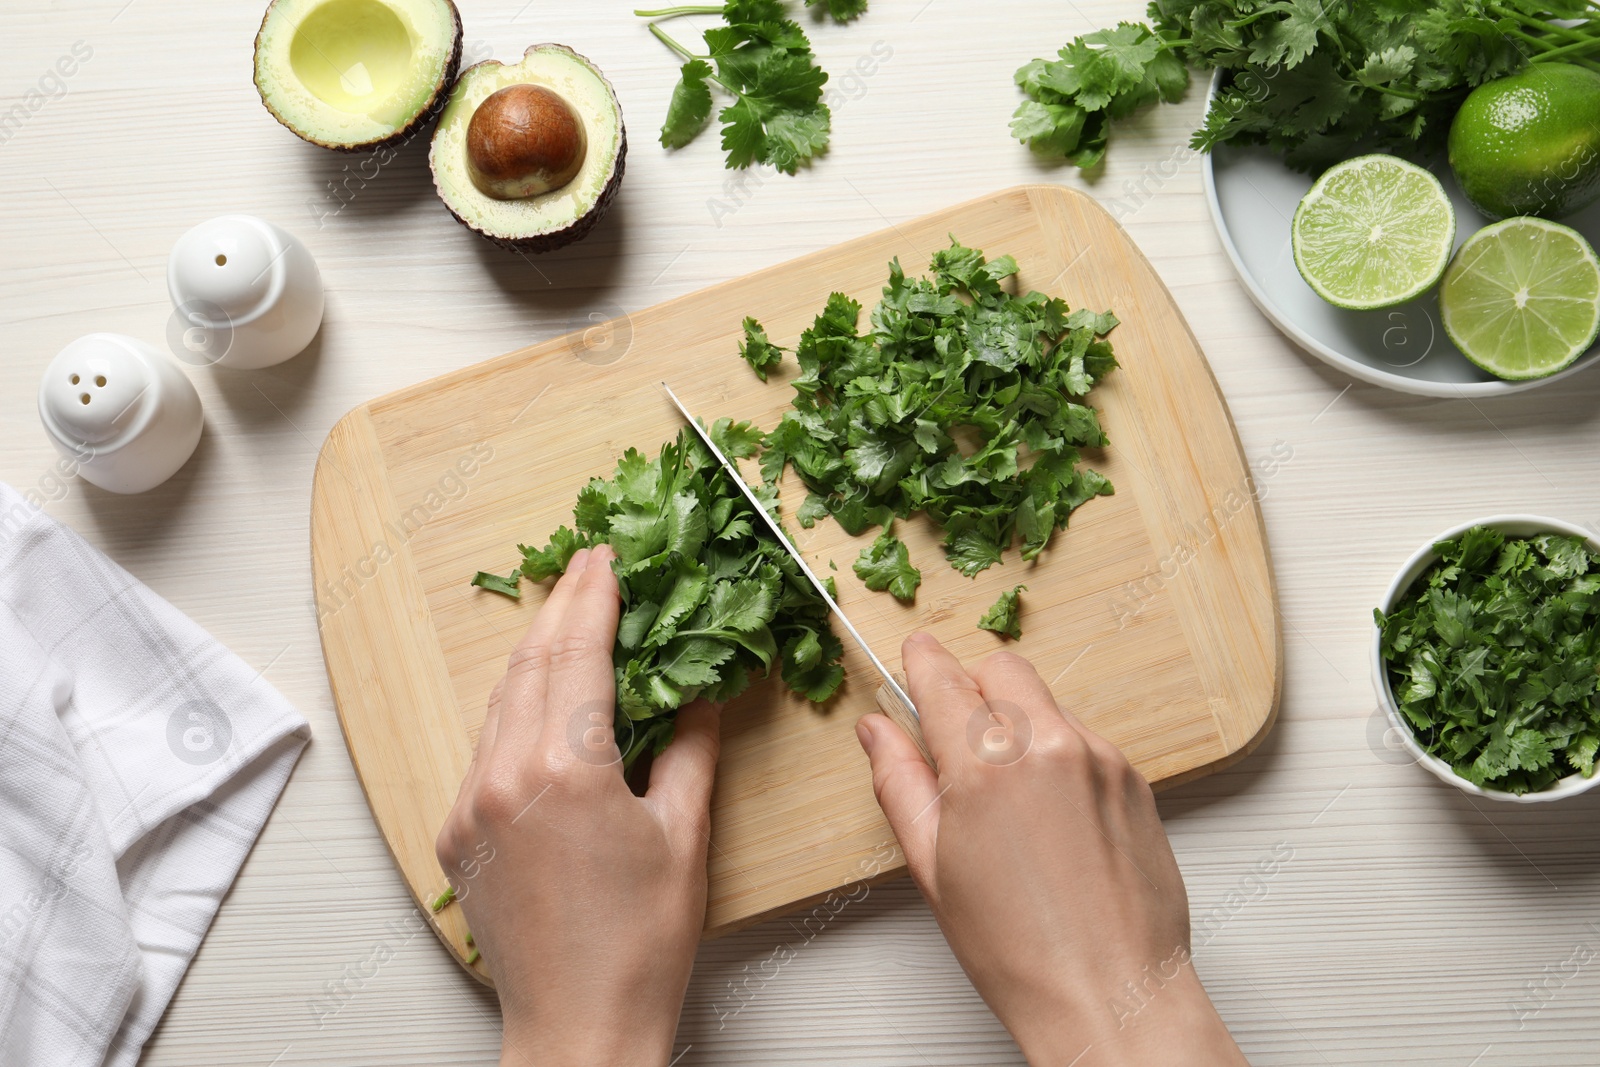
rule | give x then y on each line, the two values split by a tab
579	560
923	638
865	735
604	553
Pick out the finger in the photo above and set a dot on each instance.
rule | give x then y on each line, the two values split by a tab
945	696
582	686
681	778
485	745
907	790
1012	686
528	670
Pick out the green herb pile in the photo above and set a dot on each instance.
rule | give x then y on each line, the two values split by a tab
764	61
1318	82
1492	658
874	425
708	601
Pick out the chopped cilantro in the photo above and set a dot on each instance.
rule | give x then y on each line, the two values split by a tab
961	401
1492	657
493	582
1004	616
708	603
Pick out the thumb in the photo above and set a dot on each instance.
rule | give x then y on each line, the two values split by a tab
907	790
682	776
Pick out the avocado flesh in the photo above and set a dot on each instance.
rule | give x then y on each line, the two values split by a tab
354	75
548	220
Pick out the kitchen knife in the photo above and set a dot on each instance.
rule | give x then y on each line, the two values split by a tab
895	689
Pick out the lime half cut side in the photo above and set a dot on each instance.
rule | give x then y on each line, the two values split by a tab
1374	231
1521	299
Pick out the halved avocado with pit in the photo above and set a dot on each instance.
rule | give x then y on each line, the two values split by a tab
355	75
530	154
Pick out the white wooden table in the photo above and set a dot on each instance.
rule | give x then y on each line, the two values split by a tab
1402	923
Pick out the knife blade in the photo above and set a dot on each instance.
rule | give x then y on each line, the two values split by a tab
889	681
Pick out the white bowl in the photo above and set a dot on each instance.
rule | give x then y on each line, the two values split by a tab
1253	194
1421	560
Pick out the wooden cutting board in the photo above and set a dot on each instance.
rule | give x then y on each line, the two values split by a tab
1153	616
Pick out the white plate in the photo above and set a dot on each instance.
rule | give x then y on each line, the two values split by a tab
1253	196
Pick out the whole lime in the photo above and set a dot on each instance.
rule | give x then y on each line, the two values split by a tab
1529	143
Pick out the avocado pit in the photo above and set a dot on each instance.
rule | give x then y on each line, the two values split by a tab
522	141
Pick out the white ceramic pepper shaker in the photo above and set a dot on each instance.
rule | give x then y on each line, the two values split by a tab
122	409
247	294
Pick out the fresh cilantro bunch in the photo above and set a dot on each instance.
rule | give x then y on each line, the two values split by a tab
1492	658
708	602
1317	82
764	60
874	427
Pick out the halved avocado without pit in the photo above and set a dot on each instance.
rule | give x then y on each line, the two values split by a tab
355	75
530	154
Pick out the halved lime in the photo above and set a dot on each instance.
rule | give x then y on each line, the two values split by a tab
1374	231
1521	299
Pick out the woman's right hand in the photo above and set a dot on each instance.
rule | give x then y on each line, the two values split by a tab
1039	849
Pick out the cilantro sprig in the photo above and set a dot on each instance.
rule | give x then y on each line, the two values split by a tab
962	401
709	604
1315	81
1492	657
764	61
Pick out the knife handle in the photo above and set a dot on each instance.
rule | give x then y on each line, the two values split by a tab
904	717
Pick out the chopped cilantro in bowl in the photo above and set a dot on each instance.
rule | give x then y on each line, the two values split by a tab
1486	652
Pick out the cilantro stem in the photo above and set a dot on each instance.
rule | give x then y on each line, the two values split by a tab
662	36
1565	50
1552	28
674	12
1375	87
1562	54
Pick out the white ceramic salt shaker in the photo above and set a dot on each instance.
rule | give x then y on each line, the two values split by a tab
247	294
122	409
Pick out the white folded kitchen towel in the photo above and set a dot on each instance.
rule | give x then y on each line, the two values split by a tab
139	760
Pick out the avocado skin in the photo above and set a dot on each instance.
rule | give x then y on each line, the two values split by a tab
579	227
424	119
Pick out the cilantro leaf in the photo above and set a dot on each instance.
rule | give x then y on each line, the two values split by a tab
1004	615
886	564
841	10
551	560
690	106
738	440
